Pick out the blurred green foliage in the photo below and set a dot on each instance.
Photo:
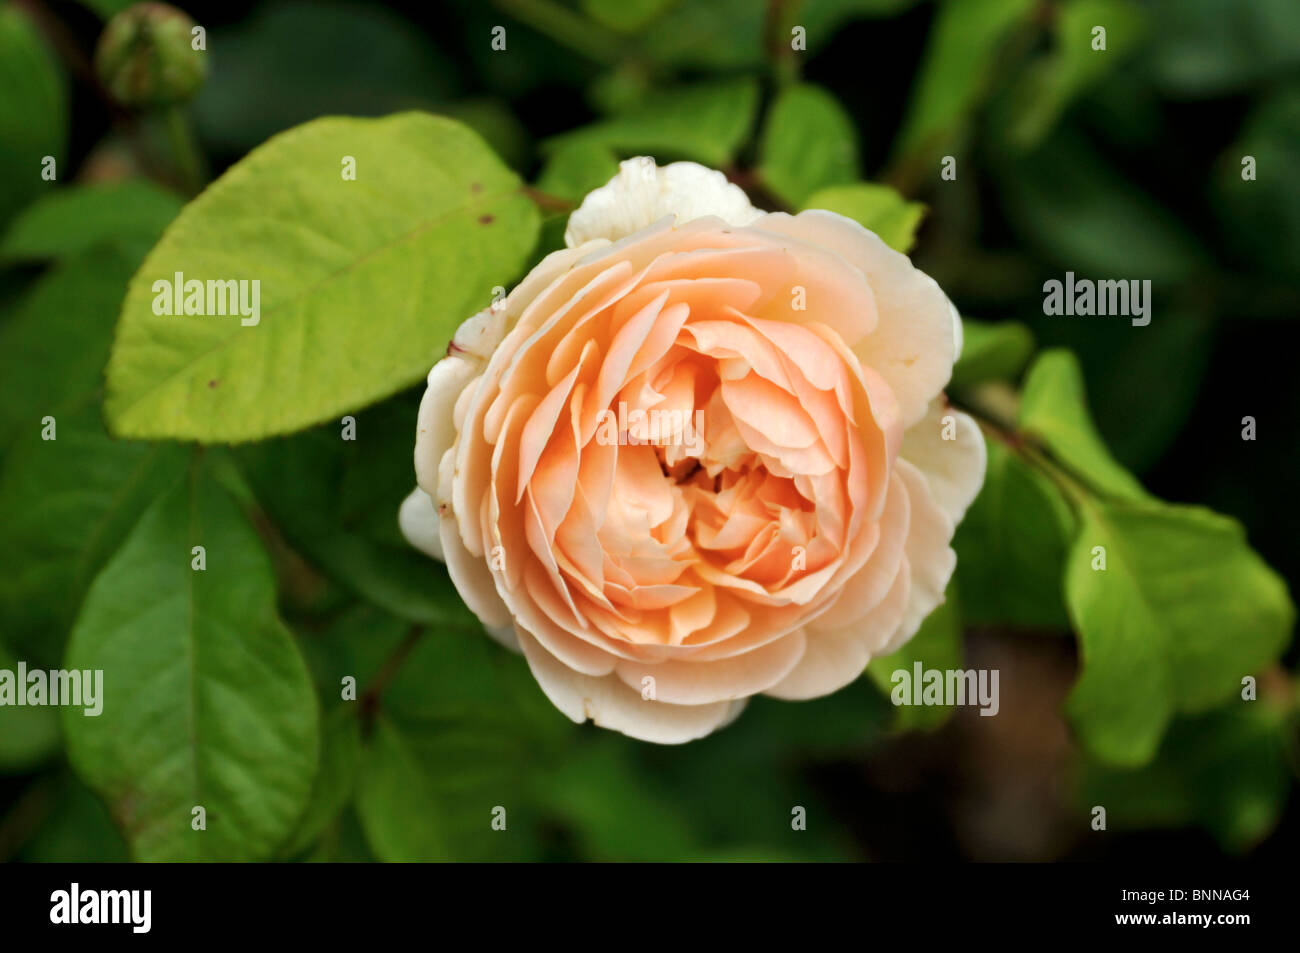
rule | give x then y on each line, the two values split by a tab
1122	163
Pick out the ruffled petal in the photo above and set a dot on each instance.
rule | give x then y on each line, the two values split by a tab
610	703
953	468
643	193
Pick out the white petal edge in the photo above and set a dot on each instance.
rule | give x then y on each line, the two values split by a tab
418	519
642	193
609	703
928	554
953	469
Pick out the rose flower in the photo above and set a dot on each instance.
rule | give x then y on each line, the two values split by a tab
701	453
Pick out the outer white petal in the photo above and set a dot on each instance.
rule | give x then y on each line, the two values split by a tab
958	335
435	431
929	555
611	704
953	469
418	518
469	351
469	573
693	682
642	193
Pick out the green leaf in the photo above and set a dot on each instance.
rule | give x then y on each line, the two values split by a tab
53	347
1262	215
454	676
808	143
398	803
1066	198
707	122
65	507
33	112
1054	409
991	351
737	787
570	173
464	729
206	699
74	219
1225	771
336	503
428	791
720	35
937	645
615	808
1046	90
497	124
356	643
961	53
1011	546
106	9
362	283
877	207
576	169
340	763
1119	361
626	16
1210	48
77	830
1183	610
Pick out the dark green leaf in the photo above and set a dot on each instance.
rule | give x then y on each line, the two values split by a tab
33	112
65	507
962	49
1011	546
336	502
707	122
808	143
1226	771
340	763
207	702
994	351
75	219
53	347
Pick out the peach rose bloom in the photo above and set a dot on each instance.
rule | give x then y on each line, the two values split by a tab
697	455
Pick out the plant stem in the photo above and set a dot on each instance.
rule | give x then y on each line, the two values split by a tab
994	411
189	161
547	202
368	703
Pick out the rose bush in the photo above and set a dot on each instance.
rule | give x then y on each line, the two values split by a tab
654	585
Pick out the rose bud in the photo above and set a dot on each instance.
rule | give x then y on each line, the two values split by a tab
145	57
